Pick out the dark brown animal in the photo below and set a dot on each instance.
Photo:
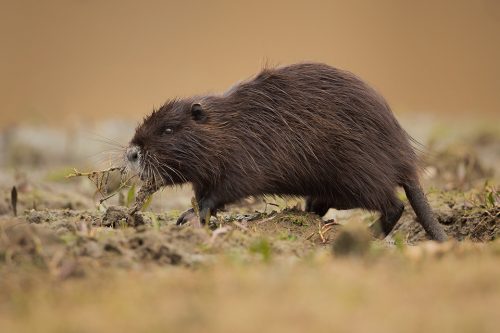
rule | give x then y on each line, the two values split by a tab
303	130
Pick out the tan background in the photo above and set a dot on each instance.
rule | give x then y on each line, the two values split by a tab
93	59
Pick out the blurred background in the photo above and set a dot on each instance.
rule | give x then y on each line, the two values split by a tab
77	75
75	60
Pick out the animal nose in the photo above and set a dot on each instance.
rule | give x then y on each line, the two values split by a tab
133	154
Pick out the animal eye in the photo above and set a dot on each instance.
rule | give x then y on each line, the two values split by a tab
168	130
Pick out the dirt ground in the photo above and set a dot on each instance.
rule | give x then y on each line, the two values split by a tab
70	265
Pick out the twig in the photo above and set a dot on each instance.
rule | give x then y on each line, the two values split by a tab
122	185
310	236
265	220
146	190
100	179
320	233
322	230
77	173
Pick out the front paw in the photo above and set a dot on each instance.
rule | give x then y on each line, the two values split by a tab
188	216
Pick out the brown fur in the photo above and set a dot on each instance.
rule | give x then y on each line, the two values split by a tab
303	130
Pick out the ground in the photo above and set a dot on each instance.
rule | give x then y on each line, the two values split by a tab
69	265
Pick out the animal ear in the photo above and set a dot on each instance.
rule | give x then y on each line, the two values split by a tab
197	113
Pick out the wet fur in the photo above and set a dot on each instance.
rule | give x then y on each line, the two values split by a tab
302	130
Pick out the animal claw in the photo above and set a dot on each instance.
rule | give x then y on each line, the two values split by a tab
189	216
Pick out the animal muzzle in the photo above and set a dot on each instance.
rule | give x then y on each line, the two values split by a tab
133	157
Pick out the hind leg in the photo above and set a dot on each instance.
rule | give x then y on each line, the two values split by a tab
317	205
388	219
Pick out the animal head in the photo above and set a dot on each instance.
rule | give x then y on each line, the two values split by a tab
167	142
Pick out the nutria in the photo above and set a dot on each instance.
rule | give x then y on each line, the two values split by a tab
306	130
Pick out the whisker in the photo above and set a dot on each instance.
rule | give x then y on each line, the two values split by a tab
110	143
153	172
177	173
162	167
108	161
106	140
159	167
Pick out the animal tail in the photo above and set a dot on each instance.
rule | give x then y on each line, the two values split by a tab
423	211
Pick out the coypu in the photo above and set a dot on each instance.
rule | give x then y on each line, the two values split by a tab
306	130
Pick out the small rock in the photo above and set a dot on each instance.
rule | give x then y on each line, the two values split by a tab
113	216
352	240
140	219
37	217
